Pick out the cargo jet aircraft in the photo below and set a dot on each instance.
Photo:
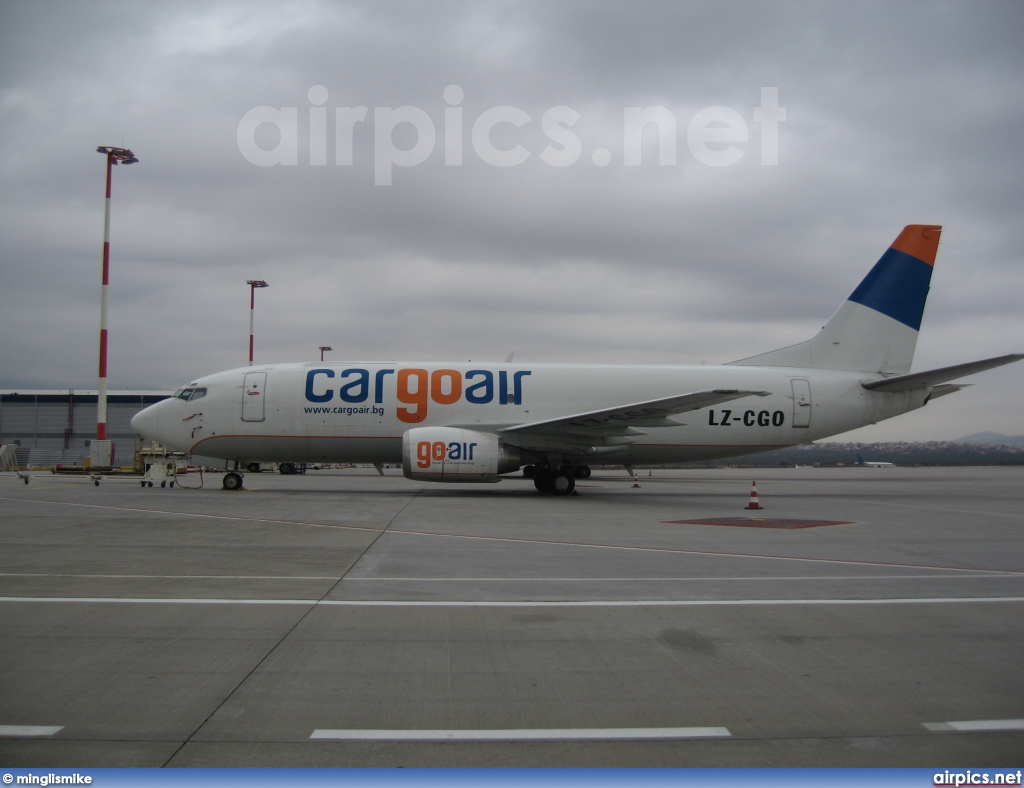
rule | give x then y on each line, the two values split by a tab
468	422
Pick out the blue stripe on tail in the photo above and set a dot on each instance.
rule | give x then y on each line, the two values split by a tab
897	287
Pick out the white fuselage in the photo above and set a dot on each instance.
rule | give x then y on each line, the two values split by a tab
358	412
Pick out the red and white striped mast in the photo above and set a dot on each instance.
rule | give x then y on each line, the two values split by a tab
114	156
253	284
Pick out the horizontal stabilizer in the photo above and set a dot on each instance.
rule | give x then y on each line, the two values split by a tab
919	380
652	413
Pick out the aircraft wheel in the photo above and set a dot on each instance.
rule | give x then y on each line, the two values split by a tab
286	468
232	481
563	483
529	471
582	471
542	480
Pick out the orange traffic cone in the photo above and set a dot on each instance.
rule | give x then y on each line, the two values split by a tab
753	497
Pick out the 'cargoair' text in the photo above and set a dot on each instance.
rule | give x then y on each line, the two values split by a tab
416	388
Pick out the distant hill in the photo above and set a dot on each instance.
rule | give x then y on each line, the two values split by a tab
993	439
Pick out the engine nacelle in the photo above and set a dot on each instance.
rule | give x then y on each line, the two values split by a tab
451	454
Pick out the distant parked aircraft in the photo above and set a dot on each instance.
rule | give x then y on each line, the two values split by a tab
460	422
865	464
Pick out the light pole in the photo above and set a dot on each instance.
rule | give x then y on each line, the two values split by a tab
322	349
101	455
253	284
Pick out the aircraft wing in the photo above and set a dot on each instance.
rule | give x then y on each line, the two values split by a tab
918	380
597	425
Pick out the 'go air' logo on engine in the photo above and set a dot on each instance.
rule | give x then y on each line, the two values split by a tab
417	388
439	451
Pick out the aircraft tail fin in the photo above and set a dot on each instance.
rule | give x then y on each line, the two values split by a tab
875	330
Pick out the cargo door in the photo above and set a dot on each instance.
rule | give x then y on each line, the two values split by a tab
801	402
253	396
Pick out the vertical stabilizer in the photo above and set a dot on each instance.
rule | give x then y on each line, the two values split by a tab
875	330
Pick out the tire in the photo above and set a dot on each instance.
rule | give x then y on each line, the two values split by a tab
542	480
232	481
286	468
581	471
253	467
563	483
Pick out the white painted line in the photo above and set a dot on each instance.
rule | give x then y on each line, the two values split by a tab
679	551
169	601
29	730
576	603
173	577
690	579
669	602
516	579
384	530
975	725
195	514
527	734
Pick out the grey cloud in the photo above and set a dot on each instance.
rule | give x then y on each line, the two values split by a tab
896	113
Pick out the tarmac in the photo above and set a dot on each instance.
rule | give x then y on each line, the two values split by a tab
862	617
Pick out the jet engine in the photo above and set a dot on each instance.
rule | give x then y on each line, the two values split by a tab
453	454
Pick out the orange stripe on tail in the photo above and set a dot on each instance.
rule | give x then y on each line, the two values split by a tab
920	241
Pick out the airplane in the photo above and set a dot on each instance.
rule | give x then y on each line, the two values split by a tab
865	464
473	422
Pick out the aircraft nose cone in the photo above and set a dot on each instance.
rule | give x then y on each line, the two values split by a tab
146	422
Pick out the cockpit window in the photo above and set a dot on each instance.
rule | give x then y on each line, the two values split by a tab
190	393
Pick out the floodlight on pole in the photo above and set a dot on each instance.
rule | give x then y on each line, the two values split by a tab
322	349
114	156
253	284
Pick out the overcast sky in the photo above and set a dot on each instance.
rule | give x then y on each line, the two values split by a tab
516	218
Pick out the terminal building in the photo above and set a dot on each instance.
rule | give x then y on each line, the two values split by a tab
56	427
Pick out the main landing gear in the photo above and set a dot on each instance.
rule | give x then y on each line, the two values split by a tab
557	481
233	481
